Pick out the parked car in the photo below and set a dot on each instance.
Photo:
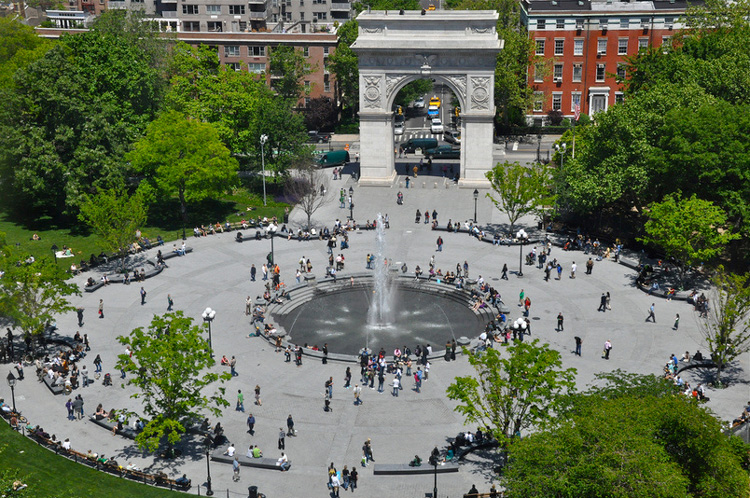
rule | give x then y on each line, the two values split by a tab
419	143
436	126
433	110
398	129
443	152
419	103
452	136
318	137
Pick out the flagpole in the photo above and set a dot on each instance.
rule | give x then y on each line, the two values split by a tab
574	140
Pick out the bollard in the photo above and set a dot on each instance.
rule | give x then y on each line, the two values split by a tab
423	184
435	185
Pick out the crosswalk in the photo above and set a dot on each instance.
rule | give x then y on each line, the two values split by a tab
416	134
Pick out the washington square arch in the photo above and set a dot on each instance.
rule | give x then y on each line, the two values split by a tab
456	48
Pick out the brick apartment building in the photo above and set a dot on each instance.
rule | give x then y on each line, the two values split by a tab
584	44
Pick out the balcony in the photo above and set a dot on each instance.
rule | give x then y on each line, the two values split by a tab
346	6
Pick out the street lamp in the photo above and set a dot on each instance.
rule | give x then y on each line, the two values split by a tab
263	140
434	463
521	236
476	196
208	317
351	203
539	148
54	251
12	384
561	148
209	491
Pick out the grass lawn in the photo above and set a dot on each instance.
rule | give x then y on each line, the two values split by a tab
50	475
163	219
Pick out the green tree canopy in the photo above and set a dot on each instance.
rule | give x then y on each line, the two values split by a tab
288	67
169	368
689	230
513	389
184	157
344	63
520	190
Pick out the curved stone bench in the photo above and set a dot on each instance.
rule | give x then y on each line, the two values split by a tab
259	463
126	431
406	469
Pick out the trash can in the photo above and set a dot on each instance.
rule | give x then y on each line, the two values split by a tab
252	492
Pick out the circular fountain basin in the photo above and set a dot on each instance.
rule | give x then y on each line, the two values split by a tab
337	315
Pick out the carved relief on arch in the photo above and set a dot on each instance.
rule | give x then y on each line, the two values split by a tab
391	82
459	83
480	93
372	92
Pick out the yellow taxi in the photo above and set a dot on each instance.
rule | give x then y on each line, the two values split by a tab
435	101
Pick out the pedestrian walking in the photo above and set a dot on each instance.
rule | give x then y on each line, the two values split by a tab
603	303
353	477
170	302
521	298
251	424
357	394
609	306
86	345
84	376
559	271
264	271
607	349
143	296
325	346
651	315
676	321
69	407
79	313
98	364
78	406
560	319
579	341
282	439
232	365
236	469
240	401
396	386
329	388
101	308
253	272
257	395
348	378
504	276
589	266
418	379
573	268
290	426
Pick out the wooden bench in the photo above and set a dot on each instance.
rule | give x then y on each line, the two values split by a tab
126	431
405	468
259	463
54	389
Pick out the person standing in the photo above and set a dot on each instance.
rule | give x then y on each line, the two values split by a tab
143	296
79	313
257	395
559	271
98	364
609	306
84	376
325	346
290	426
357	394
607	349
78	406
264	271
418	379
240	401
396	386
236	469
651	315
589	266
434	216
282	439
579	341
335	485
348	378
170	302
504	276
520	298
353	477
560	319
381	380
603	303
329	387
251	424
232	365
573	269
253	272
676	321
439	243
101	308
69	407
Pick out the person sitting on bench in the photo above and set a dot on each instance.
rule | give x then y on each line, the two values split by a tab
417	462
183	481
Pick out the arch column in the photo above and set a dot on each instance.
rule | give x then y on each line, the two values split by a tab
376	165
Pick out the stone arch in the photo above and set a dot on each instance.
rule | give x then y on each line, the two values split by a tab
458	48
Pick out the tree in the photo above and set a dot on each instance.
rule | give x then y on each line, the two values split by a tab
520	190
115	216
307	189
727	328
33	292
510	394
288	67
184	157
412	90
321	114
344	63
169	366
637	444
689	230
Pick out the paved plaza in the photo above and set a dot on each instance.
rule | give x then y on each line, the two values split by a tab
217	275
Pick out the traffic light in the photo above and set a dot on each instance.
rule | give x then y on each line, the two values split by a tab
456	111
400	111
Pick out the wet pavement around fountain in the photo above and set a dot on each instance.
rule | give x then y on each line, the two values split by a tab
217	275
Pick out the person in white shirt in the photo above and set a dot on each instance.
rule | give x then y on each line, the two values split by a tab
66	444
283	462
230	451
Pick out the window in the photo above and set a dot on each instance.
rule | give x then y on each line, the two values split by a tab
575	99
601	46
600	70
619	97
621	71
578	46
307	86
579	24
301	16
560	23
256	51
233	65
215	27
326	86
669	21
191	26
301	3
306	51
622	46
666	43
322	16
231	51
645	21
256	67
556	101
538	102
237	10
326	51
642	44
558	72
190	9
577	72
307	101
603	23
559	47
243	25
214	10
540	24
538	73
540	47
624	23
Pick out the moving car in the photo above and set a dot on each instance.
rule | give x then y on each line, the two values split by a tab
452	137
419	103
332	158
435	101
436	126
443	152
398	129
433	110
318	137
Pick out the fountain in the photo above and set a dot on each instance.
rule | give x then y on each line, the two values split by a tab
380	313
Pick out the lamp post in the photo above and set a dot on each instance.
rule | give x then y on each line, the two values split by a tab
434	463
521	236
54	251
208	317
476	196
209	491
263	140
184	216
539	148
12	385
561	148
351	203
272	255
